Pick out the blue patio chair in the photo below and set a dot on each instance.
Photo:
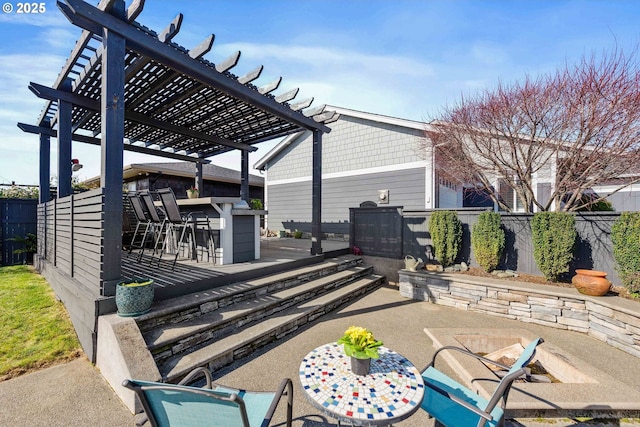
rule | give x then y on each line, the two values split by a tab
454	405
213	405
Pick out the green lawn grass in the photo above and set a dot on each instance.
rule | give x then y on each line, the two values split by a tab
34	326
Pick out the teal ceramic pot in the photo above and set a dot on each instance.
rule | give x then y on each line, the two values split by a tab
134	299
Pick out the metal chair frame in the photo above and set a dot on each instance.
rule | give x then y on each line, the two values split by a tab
216	394
460	401
155	220
187	225
141	217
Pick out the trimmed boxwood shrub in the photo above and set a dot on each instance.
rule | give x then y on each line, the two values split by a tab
625	235
487	240
554	236
446	234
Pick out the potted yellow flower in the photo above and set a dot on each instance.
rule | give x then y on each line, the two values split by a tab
360	345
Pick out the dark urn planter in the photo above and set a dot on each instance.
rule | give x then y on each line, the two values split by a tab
360	366
591	282
134	297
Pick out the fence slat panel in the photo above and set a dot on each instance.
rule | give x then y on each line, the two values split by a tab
18	218
373	230
377	231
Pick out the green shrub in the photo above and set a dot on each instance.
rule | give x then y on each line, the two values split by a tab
256	204
487	240
297	234
625	235
15	192
554	236
600	206
446	234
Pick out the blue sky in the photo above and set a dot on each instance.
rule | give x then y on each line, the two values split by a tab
403	58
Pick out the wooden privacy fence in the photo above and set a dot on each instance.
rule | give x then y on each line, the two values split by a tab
70	236
17	219
391	232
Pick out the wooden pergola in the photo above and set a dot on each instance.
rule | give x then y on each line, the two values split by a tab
126	87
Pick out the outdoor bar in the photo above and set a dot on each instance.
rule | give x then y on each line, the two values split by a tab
238	226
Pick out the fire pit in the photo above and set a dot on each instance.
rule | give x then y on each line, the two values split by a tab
579	389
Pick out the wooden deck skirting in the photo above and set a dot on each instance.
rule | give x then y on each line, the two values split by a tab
613	320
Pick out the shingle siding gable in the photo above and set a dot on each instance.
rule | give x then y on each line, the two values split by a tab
353	144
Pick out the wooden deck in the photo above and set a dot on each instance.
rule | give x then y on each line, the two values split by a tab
190	276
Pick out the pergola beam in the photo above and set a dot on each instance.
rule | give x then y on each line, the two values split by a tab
90	18
93	105
44	130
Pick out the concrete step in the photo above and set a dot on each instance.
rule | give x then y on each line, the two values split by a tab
179	309
169	340
242	341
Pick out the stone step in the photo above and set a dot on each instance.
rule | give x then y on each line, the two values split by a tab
190	306
243	342
171	339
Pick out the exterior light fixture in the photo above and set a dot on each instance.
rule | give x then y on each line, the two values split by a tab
75	165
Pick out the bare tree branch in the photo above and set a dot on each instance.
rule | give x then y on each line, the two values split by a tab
574	130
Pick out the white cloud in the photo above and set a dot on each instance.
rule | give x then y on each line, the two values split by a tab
328	59
59	38
378	83
490	54
50	18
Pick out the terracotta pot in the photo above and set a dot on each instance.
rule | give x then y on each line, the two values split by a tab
591	282
360	366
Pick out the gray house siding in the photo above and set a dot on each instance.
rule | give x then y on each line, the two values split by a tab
352	144
628	201
289	204
359	157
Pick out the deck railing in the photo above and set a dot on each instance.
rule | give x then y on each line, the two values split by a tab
70	236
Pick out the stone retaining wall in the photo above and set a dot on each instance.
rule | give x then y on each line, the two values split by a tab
611	319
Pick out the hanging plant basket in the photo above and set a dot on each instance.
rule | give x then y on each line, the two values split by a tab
134	297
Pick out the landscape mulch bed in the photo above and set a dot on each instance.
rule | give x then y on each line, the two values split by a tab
540	280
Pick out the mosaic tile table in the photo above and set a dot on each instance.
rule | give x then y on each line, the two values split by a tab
391	392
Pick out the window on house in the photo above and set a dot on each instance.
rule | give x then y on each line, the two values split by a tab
448	184
509	197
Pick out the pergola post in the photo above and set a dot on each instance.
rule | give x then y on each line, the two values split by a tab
244	176
65	129
45	167
199	178
112	111
316	196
